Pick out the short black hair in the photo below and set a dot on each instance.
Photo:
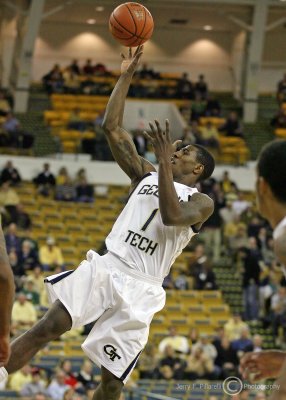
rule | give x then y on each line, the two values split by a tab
272	167
204	157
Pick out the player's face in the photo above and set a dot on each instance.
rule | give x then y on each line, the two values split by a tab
184	161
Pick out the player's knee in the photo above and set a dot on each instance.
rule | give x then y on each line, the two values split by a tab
112	388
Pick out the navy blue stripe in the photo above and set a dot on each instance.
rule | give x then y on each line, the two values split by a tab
126	372
141	179
194	229
59	278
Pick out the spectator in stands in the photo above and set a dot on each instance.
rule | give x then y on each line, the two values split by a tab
37	385
24	314
17	137
193	336
148	362
278	308
62	175
281	89
37	277
210	135
207	347
53	80
66	190
84	192
279	120
147	72
227	359
100	70
23	219
17	268
226	183
171	366
213	107
4	105
71	82
229	220
198	108
257	343
201	87
197	134
28	257
199	365
31	294
45	181
185	89
58	387
51	255
200	269
85	375
238	241
81	174
9	199
254	225
11	174
232	127
75	121
40	396
244	343
20	378
140	142
12	239
75	67
33	242
70	378
251	257
88	68
234	327
178	343
240	205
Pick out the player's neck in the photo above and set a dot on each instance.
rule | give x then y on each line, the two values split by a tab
185	180
276	213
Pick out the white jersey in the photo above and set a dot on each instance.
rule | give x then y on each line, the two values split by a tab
139	237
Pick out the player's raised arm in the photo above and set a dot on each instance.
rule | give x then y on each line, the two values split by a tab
120	142
6	300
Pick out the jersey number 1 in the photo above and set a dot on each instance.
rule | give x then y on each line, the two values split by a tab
147	223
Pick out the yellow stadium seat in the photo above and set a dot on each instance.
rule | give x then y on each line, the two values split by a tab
281	132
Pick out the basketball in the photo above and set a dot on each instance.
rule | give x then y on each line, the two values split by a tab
131	24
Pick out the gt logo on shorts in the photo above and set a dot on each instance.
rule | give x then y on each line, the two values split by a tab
111	351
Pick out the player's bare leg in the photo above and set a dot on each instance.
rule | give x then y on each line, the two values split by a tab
53	324
110	387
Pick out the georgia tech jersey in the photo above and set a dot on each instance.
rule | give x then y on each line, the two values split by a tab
139	236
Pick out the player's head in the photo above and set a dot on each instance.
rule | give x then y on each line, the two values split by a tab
271	176
193	162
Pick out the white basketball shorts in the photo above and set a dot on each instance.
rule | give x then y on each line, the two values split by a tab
121	300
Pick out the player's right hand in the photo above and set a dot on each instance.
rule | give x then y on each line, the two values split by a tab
262	365
130	63
4	350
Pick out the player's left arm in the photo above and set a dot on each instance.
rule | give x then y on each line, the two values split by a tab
173	212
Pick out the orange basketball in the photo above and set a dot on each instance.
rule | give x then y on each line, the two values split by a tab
131	24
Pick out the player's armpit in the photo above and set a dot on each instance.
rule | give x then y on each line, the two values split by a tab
125	154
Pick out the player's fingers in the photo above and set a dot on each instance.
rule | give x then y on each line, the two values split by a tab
176	144
130	52
159	129
122	56
167	129
139	50
153	130
147	136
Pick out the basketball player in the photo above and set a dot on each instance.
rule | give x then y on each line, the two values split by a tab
6	301
271	201
122	290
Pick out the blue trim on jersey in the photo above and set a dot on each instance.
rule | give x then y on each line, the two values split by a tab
58	278
141	179
131	365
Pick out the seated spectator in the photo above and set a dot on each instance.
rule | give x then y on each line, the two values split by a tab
23	219
17	268
45	181
37	385
33	242
234	327
62	175
281	90
51	255
213	107
53	80
71	82
279	120
207	347
20	378
28	257
74	67
100	70
11	174
193	336
31	294
278	310
81	174
201	87
84	192
75	121
240	205
24	314
226	183
88	68
148	362
257	343
232	127
13	242
199	365
227	359
37	277
58	387
66	190
177	342
70	378
10	200
85	375
210	135
198	108
171	366
205	278
238	240
146	72
4	105
17	137
140	142
244	343
185	88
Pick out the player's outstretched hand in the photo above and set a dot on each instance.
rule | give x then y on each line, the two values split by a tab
130	63
4	350
161	140
262	365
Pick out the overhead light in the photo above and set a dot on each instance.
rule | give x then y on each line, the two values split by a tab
208	28
91	21
99	8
